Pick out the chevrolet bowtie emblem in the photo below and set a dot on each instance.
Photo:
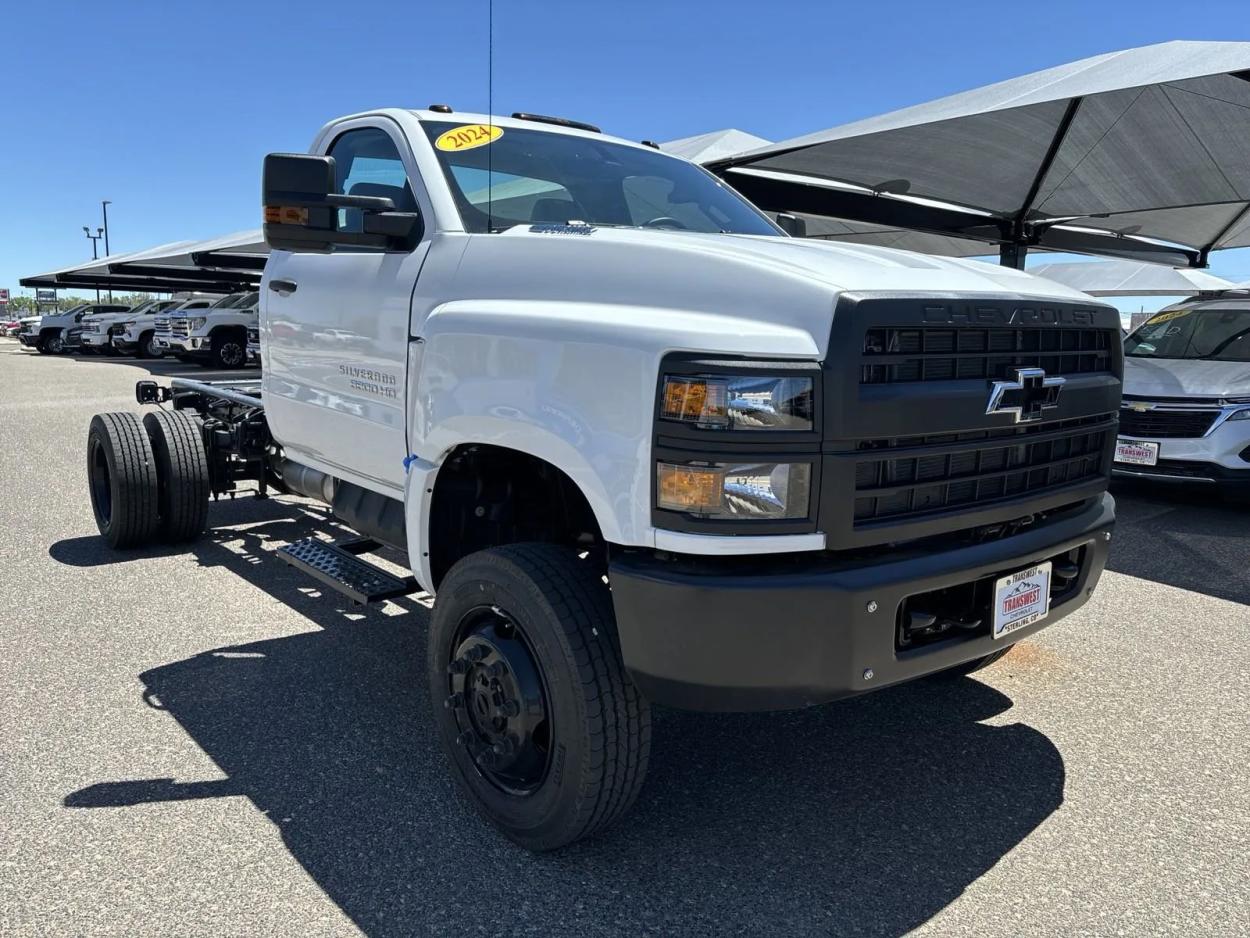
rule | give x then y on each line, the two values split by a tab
1027	397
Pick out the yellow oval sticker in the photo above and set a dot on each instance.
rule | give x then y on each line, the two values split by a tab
468	137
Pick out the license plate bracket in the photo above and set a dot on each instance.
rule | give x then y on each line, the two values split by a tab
1021	599
1136	452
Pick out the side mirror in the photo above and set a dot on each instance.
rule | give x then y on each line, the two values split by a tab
302	209
792	225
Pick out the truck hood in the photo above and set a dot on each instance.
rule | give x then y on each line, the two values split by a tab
1173	377
787	284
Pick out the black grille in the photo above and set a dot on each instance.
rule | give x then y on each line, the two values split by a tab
926	353
916	476
1166	424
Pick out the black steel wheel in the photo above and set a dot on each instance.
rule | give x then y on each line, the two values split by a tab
121	477
184	487
543	728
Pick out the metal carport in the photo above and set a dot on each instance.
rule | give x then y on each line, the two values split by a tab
1140	154
217	265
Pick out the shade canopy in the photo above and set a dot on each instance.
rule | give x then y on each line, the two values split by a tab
217	265
719	144
1127	278
1141	154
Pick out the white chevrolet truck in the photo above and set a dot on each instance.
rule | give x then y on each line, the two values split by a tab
643	446
215	336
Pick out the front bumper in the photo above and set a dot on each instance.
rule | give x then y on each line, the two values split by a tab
1219	456
95	340
706	634
28	339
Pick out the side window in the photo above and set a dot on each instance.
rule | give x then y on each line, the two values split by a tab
366	162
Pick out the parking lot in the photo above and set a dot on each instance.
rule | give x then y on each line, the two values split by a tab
199	740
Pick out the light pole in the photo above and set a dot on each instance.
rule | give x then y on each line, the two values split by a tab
104	207
99	233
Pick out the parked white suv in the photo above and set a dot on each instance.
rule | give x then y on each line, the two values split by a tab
1186	410
216	336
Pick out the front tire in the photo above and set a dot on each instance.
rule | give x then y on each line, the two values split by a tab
54	344
148	347
541	725
121	476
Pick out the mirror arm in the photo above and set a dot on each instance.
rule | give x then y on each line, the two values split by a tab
367	203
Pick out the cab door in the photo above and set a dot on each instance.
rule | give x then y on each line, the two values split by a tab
334	327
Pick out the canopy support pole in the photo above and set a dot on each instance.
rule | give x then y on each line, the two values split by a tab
1012	254
1206	250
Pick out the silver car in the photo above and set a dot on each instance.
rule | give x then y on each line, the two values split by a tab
1186	410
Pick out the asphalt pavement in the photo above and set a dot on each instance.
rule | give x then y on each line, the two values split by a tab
199	741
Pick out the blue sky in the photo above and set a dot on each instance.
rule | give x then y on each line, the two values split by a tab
168	108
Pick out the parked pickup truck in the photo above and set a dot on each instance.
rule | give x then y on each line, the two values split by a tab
150	338
1186	411
642	445
215	336
56	333
101	330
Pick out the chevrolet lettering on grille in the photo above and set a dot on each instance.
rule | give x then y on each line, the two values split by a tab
1026	398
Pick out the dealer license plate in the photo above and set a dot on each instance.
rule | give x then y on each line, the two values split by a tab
1137	452
1021	599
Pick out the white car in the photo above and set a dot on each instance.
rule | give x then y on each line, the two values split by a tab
1186	410
643	446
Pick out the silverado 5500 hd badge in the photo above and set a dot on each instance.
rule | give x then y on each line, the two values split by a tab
370	381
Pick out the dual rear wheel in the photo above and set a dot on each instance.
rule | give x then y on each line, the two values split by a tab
148	477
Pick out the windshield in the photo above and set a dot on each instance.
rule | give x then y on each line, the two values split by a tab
524	177
226	302
1212	335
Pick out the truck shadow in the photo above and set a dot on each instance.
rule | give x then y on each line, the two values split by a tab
1190	538
863	817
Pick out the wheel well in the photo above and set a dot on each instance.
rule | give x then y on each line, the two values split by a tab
487	496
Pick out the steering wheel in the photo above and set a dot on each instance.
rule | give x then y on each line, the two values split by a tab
665	221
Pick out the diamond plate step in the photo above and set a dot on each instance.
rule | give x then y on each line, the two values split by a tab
339	568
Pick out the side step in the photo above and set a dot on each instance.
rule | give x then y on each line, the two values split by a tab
339	567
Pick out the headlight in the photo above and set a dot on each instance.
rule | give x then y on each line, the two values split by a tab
742	490
739	402
1243	414
123	326
197	322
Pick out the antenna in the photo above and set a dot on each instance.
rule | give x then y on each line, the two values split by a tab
490	113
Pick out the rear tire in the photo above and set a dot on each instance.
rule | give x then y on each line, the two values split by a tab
182	474
121	476
575	748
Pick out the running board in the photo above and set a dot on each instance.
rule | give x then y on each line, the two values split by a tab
339	567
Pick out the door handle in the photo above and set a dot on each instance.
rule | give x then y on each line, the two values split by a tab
283	287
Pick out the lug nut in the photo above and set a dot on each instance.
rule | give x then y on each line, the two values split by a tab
510	708
459	666
476	653
455	701
496	669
